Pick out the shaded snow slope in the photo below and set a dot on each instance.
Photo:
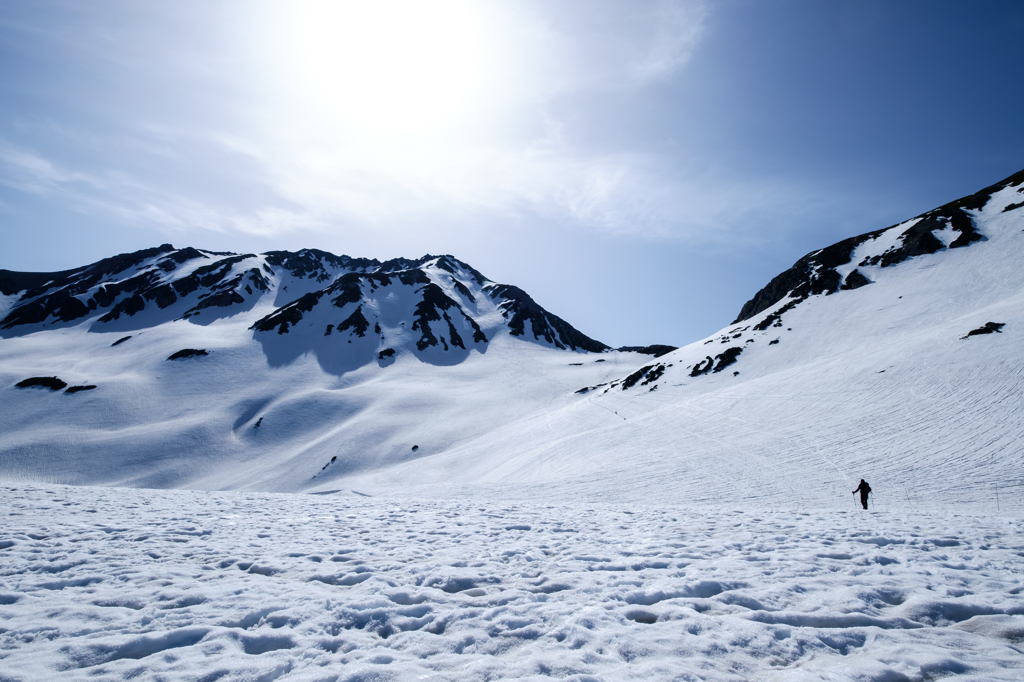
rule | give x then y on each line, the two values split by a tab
185	369
115	584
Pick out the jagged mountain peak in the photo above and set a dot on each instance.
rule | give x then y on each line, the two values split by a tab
445	302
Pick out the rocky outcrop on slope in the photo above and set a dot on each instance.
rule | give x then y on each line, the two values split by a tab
657	349
184	282
434	302
755	338
519	309
816	273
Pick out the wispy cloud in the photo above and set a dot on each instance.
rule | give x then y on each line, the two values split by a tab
275	155
678	28
132	201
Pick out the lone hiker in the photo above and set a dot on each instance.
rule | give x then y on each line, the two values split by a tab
864	489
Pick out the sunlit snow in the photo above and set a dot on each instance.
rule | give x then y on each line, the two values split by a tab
114	584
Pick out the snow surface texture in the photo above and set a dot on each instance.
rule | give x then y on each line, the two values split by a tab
116	584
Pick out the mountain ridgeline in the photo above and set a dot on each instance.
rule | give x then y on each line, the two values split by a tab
434	302
819	272
752	341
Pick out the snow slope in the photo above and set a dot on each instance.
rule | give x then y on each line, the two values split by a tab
315	367
854	363
880	382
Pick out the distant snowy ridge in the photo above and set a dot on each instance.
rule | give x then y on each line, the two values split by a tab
163	284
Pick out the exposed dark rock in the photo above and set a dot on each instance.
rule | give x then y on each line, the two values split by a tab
726	358
227	293
356	321
329	328
415	448
772	343
61	304
54	293
289	314
12	282
918	240
590	388
186	254
518	308
52	383
163	295
702	367
221	299
348	290
76	389
1013	207
386	353
188	353
309	263
649	374
464	290
120	341
813	274
433	307
776	317
657	350
211	275
186	285
258	280
453	334
988	328
126	306
720	362
855	280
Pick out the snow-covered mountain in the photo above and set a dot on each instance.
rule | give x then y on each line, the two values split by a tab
182	367
147	288
894	356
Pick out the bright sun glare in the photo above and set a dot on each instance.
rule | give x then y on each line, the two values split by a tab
389	66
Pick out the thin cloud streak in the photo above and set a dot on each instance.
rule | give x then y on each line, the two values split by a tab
306	171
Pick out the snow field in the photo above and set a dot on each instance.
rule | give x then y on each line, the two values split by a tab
115	584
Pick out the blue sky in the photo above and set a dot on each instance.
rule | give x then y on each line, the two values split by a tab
641	168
